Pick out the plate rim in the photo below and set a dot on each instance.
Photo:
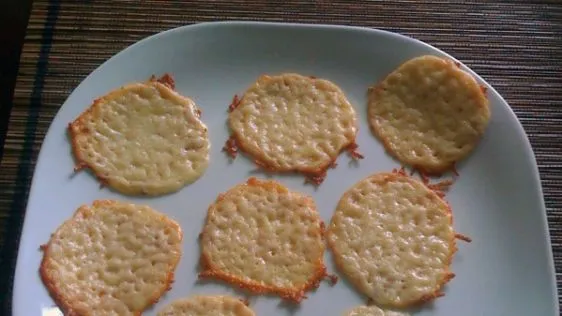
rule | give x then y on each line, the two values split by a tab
529	152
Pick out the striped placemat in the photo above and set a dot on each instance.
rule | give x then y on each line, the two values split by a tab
515	45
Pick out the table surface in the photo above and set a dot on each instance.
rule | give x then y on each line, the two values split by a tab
515	45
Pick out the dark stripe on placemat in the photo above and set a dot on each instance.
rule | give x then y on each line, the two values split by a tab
8	254
13	17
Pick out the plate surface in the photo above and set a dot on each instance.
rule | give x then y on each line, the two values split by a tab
497	200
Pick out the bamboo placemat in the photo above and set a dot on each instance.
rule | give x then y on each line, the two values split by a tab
515	45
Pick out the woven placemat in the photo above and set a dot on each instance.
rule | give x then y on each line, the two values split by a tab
515	45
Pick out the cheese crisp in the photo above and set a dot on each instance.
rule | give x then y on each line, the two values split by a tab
293	123
428	113
372	311
392	237
142	139
262	237
207	306
111	258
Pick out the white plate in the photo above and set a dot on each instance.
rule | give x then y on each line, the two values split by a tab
497	200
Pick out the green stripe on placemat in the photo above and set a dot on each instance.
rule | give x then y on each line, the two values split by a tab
515	46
